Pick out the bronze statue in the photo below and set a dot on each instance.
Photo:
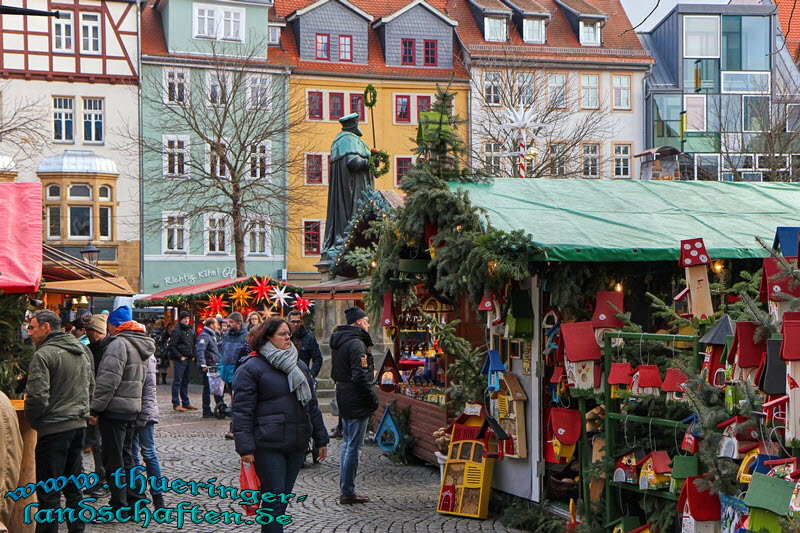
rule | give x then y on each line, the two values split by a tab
349	177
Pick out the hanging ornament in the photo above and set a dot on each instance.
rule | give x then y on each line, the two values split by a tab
280	296
239	296
261	288
302	304
215	304
269	311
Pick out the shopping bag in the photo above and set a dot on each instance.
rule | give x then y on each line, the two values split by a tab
215	383
248	479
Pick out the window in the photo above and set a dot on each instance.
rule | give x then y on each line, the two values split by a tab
695	107
700	36
590	91
93	119
258	242
63	119
557	90
701	76
54	222
314	175
533	31
105	223
402	108
62	32
591	160
176	156
90	33
315	104
312	236
261	160
216	233
217	160
259	96
792	117
558	159
176	85
80	192
176	233
217	88
204	22
53	192
431	53
755	113
274	35
590	33
745	43
345	48
746	82
622	160
232	25
402	166
336	103
407	52
622	92
104	193
495	29
706	167
357	106
80	222
525	89
323	46
491	88
423	105
491	157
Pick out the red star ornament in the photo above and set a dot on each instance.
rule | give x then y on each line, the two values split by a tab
215	304
302	304
261	288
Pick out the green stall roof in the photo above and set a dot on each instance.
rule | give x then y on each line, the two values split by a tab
634	220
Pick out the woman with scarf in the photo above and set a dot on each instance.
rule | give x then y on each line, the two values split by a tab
275	413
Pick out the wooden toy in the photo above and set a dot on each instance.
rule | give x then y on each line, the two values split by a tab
694	258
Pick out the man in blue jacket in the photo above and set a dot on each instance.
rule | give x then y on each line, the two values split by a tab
307	346
232	344
208	355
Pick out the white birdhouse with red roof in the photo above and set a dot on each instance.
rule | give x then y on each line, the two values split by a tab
790	352
700	511
674	385
695	260
646	381
581	354
738	434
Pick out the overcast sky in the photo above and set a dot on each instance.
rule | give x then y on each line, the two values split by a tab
638	9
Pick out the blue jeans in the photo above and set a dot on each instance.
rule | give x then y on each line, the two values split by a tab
353	432
143	438
180	383
277	472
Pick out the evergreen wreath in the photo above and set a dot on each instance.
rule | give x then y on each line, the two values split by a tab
378	163
370	96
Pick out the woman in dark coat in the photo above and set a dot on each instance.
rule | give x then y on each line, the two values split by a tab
275	413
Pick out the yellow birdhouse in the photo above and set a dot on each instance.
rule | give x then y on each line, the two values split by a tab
566	427
511	400
656	472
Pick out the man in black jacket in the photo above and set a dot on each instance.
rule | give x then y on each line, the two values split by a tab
307	346
353	369
181	350
208	355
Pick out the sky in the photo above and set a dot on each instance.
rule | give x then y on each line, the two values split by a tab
638	9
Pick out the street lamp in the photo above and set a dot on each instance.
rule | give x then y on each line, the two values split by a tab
91	254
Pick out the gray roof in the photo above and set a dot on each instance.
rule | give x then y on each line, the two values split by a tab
78	162
720	332
660	77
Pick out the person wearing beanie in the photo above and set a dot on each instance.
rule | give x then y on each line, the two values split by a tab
181	351
352	369
96	331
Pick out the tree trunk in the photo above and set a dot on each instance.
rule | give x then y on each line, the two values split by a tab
238	230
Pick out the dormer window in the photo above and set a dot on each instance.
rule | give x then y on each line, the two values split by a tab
533	31
590	33
274	35
495	29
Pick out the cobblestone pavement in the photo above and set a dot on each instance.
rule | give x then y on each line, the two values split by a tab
403	497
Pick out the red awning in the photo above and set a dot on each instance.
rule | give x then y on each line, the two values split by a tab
194	289
20	237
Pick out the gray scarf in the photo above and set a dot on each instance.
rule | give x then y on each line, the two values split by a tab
286	362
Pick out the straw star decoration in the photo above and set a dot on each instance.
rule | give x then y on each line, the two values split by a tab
280	296
239	296
261	289
302	304
215	304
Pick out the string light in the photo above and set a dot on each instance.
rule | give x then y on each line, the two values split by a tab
718	266
618	287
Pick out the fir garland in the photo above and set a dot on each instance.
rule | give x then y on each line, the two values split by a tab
378	163
184	300
14	356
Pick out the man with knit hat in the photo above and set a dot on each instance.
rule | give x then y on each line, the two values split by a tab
353	369
96	331
181	351
118	396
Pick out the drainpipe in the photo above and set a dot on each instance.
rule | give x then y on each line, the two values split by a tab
287	148
140	4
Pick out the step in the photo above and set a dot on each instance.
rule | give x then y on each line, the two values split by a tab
326	394
325	383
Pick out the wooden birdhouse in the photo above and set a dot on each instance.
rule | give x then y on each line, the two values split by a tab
771	376
655	472
790	352
786	240
699	510
737	433
582	354
746	354
566	426
646	381
511	400
775	410
641	529
388	308
756	459
487	302
675	385
695	260
387	374
776	285
608	305
683	467
785	468
626	469
558	383
769	499
716	341
619	377
496	442
493	369
387	435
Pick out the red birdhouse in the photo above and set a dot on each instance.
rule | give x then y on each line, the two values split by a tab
693	253
487	303
609	305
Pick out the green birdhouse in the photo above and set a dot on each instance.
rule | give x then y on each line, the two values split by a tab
768	499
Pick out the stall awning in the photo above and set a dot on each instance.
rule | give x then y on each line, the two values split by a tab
20	237
200	288
615	220
91	287
337	289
